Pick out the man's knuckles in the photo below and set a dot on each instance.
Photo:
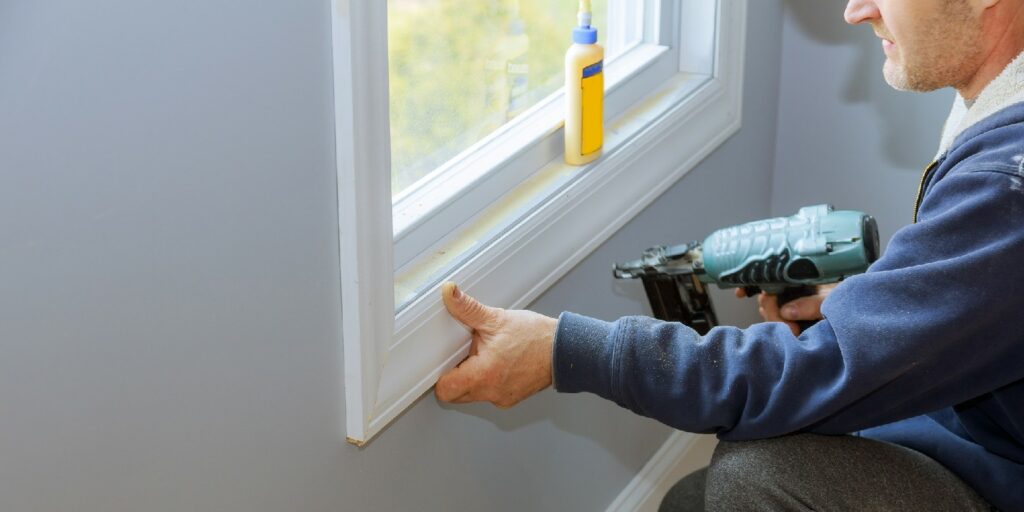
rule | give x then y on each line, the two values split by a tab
473	310
804	308
449	388
505	404
506	400
481	315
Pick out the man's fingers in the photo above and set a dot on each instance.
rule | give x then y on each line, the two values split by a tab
459	383
804	308
794	327
768	303
464	399
466	309
768	307
452	386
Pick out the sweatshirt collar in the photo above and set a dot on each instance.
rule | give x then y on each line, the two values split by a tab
1005	90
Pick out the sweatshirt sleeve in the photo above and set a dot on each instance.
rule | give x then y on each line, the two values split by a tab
935	322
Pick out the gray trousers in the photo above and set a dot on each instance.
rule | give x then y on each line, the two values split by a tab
815	472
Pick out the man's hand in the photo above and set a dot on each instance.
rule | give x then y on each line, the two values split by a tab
804	308
509	355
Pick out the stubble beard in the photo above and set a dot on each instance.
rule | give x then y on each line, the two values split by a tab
945	60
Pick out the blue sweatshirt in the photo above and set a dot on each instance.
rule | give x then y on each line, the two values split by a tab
925	350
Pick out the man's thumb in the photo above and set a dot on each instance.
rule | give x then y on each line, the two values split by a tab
464	308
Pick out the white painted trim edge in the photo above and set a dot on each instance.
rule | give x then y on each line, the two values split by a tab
362	138
649	486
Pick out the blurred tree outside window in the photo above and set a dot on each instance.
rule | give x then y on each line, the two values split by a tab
460	69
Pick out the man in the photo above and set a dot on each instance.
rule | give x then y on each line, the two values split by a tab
922	357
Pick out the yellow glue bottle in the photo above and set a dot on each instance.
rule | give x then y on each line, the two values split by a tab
584	92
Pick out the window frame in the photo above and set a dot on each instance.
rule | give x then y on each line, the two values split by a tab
426	211
391	358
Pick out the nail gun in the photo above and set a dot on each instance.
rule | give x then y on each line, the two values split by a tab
786	256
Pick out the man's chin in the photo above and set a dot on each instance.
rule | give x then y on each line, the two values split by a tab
896	76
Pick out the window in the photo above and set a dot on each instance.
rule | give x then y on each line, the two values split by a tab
450	160
460	69
464	88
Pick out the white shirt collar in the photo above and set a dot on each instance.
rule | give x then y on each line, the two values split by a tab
1007	89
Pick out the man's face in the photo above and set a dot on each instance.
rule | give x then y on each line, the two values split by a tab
929	44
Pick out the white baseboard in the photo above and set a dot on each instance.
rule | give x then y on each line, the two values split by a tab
681	454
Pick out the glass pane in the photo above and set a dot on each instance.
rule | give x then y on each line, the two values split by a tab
459	69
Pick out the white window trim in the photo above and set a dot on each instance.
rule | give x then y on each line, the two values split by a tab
390	360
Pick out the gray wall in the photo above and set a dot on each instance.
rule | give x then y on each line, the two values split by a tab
169	303
844	136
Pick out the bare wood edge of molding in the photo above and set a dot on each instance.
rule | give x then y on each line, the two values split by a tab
681	454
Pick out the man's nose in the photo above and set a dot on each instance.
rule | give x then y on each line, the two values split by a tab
859	11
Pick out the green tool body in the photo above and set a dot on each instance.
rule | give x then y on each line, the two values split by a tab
786	256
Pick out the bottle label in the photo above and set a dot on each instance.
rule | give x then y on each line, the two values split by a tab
592	95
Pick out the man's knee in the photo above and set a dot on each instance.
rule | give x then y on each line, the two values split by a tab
745	461
754	474
810	471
